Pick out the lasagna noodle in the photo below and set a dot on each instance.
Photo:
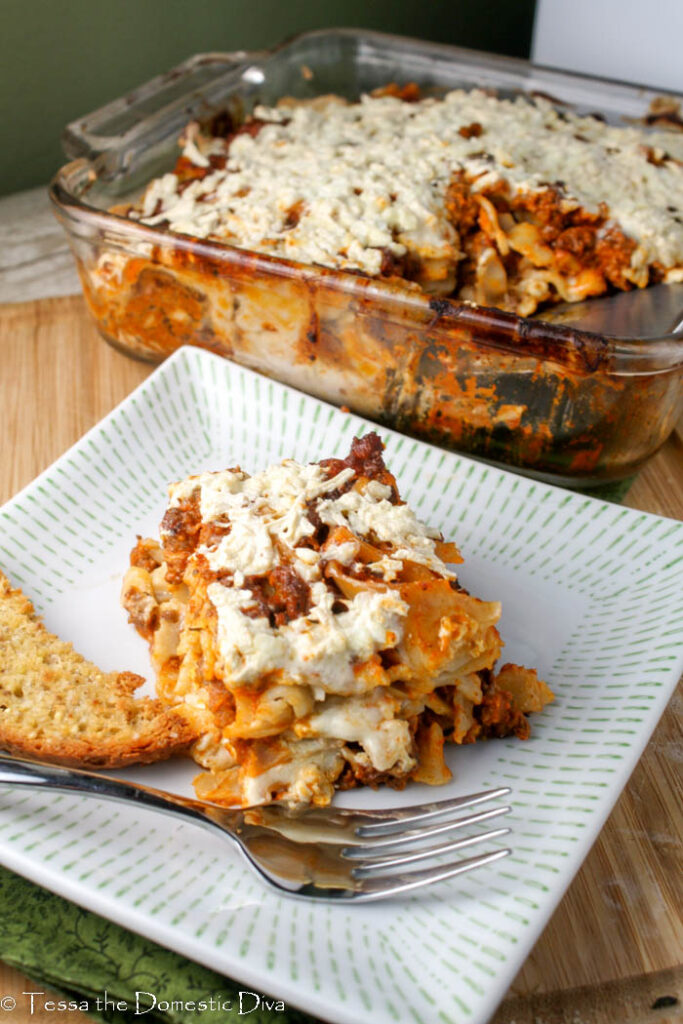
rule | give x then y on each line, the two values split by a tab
315	629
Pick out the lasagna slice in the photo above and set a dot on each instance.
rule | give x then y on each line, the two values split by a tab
316	631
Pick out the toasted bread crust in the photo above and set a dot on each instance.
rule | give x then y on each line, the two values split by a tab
57	706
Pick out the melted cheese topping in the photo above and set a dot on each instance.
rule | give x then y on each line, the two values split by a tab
320	646
263	522
372	176
396	524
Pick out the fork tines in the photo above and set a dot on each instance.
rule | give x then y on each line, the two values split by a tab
381	848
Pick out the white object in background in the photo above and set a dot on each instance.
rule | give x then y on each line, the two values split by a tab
624	39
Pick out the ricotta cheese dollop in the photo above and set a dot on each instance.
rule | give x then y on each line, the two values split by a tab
260	523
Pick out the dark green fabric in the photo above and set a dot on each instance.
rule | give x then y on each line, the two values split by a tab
83	956
614	491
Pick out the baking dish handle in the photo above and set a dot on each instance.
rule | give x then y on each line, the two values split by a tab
153	110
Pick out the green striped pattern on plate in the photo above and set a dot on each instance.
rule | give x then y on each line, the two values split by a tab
592	595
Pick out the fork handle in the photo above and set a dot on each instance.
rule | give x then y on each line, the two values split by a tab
16	771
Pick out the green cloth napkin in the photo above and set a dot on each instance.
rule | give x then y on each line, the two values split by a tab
615	491
82	956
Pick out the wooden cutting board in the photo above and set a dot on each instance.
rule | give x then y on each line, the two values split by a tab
612	953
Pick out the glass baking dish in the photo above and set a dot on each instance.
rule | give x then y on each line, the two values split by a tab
569	405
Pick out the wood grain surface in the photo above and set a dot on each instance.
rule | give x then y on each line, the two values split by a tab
612	952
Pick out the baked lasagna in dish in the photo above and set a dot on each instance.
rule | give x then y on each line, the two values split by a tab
510	203
315	631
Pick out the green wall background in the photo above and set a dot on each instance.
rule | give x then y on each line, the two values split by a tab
59	60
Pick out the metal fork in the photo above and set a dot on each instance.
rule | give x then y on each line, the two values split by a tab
309	852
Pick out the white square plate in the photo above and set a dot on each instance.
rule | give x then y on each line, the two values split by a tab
592	596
